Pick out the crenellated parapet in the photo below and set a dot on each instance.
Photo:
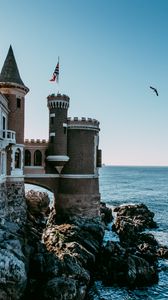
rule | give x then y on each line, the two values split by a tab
37	141
83	123
58	101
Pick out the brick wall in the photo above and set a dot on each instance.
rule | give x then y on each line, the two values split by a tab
16	117
59	145
81	152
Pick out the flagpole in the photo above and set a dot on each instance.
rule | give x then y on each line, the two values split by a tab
58	75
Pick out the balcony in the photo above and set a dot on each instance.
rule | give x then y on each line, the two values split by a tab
8	136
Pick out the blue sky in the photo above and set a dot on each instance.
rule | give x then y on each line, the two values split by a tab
110	52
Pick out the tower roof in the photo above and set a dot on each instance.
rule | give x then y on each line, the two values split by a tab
10	72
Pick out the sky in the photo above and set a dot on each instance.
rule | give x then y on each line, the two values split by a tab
111	52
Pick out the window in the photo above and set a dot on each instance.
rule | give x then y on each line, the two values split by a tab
3	163
27	158
52	139
52	120
18	159
18	102
0	164
4	123
4	126
65	130
37	158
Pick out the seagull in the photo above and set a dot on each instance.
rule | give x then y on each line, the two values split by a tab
155	90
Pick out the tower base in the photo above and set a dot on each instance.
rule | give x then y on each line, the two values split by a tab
83	205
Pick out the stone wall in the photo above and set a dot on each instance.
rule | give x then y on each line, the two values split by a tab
16	113
78	197
81	205
3	198
12	201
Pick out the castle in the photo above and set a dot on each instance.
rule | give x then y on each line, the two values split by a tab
67	164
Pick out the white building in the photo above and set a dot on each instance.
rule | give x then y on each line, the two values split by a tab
7	137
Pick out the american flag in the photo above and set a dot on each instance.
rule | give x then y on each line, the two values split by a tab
55	76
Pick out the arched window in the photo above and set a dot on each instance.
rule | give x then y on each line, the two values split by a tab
18	158
27	158
37	158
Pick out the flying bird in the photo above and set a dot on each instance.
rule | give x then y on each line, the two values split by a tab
155	90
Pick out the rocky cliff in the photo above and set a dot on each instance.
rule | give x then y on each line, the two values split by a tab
43	257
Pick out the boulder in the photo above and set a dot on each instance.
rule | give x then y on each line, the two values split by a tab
13	273
117	265
132	219
37	203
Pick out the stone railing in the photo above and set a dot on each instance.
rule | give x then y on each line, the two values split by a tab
8	135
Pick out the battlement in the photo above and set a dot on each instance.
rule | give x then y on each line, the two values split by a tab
38	141
58	101
83	123
58	97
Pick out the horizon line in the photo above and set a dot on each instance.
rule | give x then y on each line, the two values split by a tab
120	165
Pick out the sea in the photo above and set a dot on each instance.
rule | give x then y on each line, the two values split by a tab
130	184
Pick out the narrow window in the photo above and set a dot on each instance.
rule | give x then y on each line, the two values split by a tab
4	123
51	139
18	159
37	158
4	126
27	158
52	120
0	165
65	130
18	103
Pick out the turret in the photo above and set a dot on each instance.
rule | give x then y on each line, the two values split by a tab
13	88
83	142
57	150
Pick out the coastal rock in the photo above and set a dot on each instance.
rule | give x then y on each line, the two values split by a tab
162	252
133	260
37	203
13	277
132	219
13	274
62	256
105	213
62	253
140	272
117	265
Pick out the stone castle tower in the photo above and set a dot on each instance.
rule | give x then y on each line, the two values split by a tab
57	145
67	164
13	88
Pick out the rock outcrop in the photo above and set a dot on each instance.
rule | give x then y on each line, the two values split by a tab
62	257
44	257
133	260
13	261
